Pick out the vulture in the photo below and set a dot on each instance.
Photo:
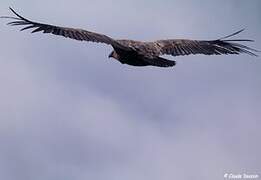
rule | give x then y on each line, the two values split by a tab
137	53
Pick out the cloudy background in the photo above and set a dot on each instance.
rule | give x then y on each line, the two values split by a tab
68	112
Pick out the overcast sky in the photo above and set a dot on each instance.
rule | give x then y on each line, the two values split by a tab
68	112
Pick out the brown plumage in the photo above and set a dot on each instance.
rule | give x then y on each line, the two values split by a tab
138	53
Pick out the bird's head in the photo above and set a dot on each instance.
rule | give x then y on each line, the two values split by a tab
114	55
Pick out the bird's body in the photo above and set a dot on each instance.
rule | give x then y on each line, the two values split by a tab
137	53
136	57
128	58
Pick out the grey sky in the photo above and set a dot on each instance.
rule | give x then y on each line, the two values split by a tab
69	112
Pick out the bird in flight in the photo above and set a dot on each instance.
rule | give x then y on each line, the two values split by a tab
137	53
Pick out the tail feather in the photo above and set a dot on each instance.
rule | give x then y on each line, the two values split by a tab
160	62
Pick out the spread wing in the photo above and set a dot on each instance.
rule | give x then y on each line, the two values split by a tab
181	47
72	33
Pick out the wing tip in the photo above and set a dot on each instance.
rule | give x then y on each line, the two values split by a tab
233	34
242	48
18	15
